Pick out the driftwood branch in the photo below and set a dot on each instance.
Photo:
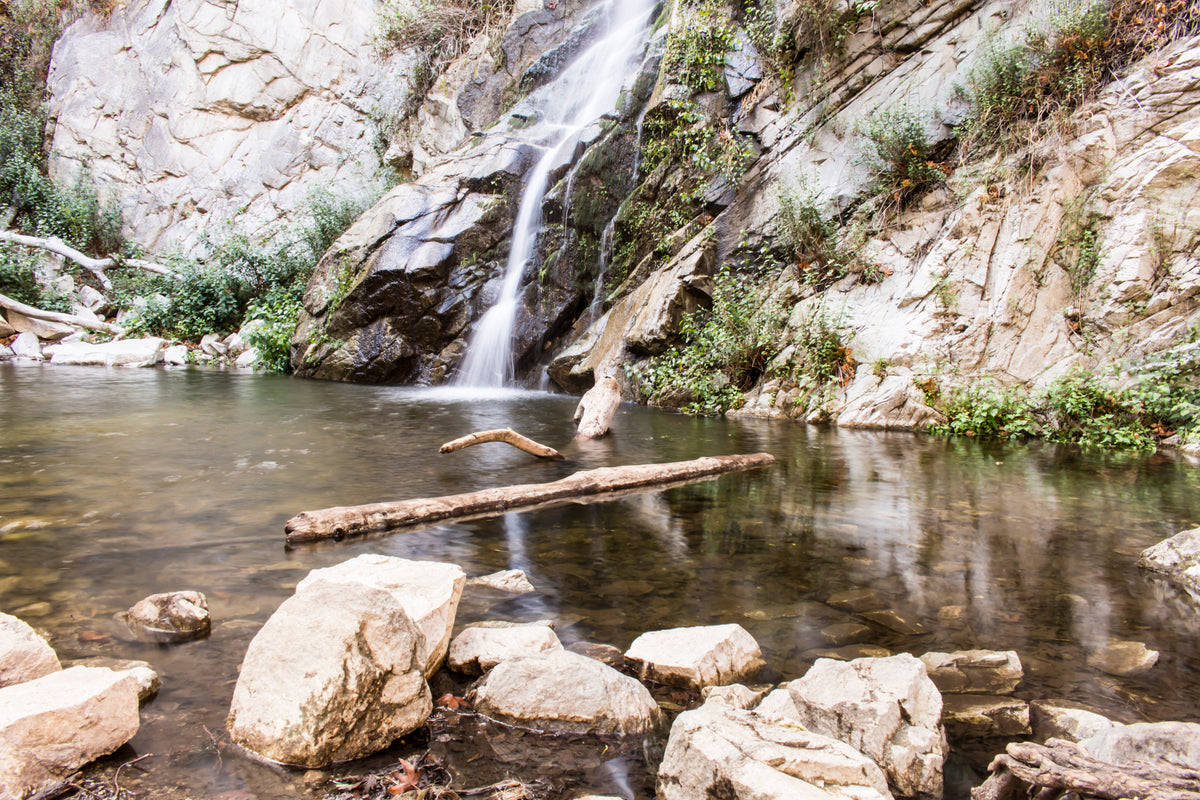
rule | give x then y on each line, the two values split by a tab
597	484
96	266
54	316
506	435
597	408
1062	766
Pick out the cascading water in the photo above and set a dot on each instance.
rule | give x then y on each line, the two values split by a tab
585	91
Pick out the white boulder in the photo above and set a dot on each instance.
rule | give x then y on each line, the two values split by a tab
428	591
1051	720
720	751
27	345
53	725
887	708
247	359
481	647
564	691
46	331
333	675
511	581
176	354
1174	743
696	657
1178	558
123	353
24	655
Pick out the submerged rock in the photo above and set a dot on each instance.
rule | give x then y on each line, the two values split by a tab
53	725
169	617
565	691
1123	659
888	708
334	674
24	655
975	671
696	657
428	591
479	648
717	751
980	716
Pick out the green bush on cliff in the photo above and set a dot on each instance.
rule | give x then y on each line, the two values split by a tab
441	30
696	50
900	154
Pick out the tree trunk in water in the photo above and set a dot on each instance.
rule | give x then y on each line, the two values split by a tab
344	521
1061	766
506	435
596	408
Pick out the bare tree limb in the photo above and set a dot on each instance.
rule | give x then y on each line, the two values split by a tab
597	408
54	316
506	435
96	266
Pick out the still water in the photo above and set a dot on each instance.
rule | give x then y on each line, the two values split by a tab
119	484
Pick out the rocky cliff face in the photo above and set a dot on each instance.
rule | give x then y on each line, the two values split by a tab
198	112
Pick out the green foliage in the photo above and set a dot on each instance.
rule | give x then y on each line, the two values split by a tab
773	41
821	353
679	133
809	237
1077	249
723	352
18	280
273	340
331	215
696	51
1084	410
986	410
900	154
820	27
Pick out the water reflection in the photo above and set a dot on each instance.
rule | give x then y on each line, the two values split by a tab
118	484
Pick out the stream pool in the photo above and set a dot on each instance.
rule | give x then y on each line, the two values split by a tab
119	484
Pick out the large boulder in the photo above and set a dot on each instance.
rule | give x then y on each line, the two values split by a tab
52	726
565	691
334	674
122	353
696	657
24	655
887	708
428	591
1175	743
27	345
974	671
481	647
717	751
169	617
1178	558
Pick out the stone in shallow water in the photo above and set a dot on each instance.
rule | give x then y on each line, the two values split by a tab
856	600
980	716
1052	720
896	621
512	581
479	648
845	633
1178	558
975	671
24	655
1123	659
735	694
169	617
696	657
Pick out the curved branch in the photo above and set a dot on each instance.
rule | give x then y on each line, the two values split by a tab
96	266
54	316
506	435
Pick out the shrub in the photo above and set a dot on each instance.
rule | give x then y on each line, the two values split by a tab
273	340
900	154
1082	409
822	355
18	280
986	410
809	237
443	30
331	215
695	54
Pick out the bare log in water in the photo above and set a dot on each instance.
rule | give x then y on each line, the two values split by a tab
506	435
54	316
596	484
1062	766
597	407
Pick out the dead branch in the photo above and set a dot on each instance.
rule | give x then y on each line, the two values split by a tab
1062	766
96	266
597	484
597	408
54	316
505	435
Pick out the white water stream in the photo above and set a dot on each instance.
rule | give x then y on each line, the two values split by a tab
584	92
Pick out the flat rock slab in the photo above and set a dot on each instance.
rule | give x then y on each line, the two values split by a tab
975	671
53	725
1175	743
24	655
565	691
887	708
857	600
1178	558
1123	659
1051	720
978	716
123	353
429	592
844	633
696	657
479	648
333	675
510	581
896	621
169	617
717	751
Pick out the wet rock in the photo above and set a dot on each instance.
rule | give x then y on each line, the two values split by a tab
333	675
974	671
849	652
887	708
856	600
27	345
1050	720
980	716
428	591
512	581
696	657
247	359
565	691
123	353
1175	743
479	648
24	655
720	751
176	354
145	680
844	633
53	725
896	621
168	617
734	694
1178	558
1123	659
604	653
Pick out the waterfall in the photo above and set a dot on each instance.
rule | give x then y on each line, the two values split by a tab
586	90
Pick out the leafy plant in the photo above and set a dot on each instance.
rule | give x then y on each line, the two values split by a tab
18	280
695	54
809	237
1077	249
273	338
987	410
443	30
900	154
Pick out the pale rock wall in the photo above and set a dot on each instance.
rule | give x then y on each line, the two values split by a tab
197	112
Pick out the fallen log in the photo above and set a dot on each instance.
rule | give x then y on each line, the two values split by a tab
506	435
54	316
96	266
1062	766
597	408
342	522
